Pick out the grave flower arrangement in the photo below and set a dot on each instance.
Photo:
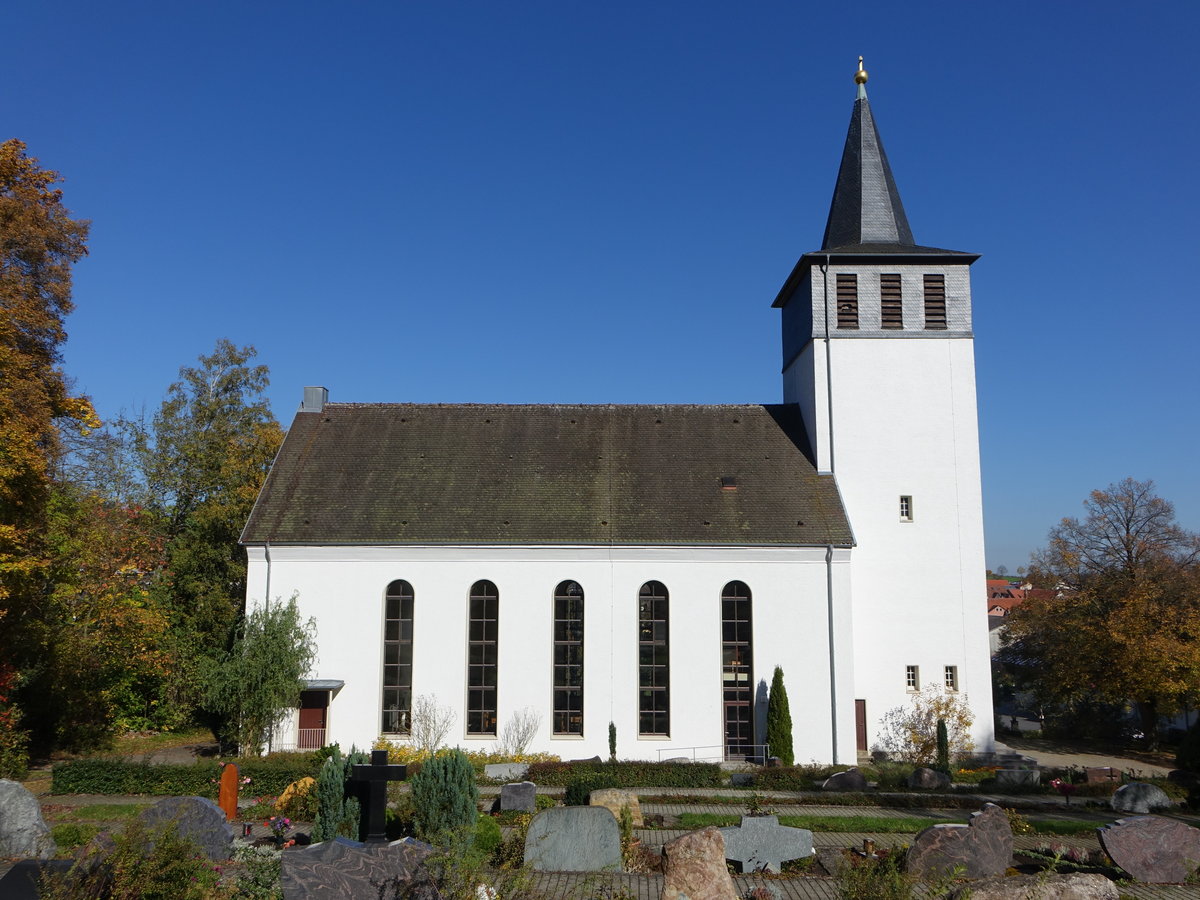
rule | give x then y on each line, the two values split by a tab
279	826
1063	787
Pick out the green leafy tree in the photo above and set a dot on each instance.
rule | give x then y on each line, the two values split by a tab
910	732
1122	623
779	720
261	677
445	798
39	243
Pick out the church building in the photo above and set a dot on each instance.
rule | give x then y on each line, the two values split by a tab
650	566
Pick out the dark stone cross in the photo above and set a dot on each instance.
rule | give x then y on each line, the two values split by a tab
375	777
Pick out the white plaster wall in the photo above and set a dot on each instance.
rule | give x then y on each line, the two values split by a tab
343	589
905	423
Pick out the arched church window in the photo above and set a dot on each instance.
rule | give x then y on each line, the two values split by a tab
568	658
397	657
482	646
737	670
654	671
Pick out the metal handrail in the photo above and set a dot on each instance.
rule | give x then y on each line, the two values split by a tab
722	754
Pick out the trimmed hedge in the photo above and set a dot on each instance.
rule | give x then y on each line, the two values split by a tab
630	774
268	775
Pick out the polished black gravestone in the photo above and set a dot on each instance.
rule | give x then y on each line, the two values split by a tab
375	778
21	881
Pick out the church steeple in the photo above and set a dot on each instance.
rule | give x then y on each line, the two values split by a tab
866	208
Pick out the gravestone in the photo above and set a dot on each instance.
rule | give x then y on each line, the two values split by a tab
1140	798
1101	774
228	795
1043	886
613	799
23	831
1018	778
850	780
694	868
21	881
506	772
1152	848
197	819
983	847
573	839
741	779
761	844
342	868
923	779
376	776
520	797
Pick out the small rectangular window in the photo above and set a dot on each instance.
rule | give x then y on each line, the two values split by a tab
847	301
891	307
952	678
906	508
912	679
935	301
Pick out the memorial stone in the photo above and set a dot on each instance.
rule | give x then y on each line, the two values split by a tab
694	868
1018	778
376	776
983	847
227	797
506	772
850	780
923	779
23	831
1075	886
520	797
1140	798
342	868
1152	848
761	844
197	819
573	839
613	799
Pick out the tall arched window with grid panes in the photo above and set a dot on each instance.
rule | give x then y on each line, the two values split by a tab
654	662
568	659
482	656
397	658
737	670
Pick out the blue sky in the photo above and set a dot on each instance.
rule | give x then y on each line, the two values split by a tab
556	201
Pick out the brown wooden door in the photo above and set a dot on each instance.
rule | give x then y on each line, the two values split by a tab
313	707
860	724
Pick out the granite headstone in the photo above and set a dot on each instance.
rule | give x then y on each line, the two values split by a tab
850	780
506	772
923	779
983	847
573	839
197	819
519	797
614	799
694	868
342	868
761	844
1152	848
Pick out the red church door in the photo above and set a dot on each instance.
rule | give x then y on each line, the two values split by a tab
313	707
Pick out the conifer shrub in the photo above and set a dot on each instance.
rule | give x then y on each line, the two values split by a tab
779	720
445	798
943	748
337	814
612	742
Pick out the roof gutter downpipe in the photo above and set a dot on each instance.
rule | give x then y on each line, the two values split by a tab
267	596
833	700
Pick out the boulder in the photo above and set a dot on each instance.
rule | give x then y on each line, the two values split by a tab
1075	886
1140	798
850	780
197	819
614	799
694	868
1152	848
983	847
573	839
928	780
23	831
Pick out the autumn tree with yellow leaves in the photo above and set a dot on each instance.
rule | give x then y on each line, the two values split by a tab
1122	622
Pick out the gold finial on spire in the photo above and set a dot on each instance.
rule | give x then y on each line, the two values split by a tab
860	77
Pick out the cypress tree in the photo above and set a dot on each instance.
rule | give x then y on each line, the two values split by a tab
331	797
444	796
779	720
943	748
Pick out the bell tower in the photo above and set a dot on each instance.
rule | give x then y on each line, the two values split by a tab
878	354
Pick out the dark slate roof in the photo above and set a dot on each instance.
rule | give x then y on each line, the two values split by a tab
866	206
490	474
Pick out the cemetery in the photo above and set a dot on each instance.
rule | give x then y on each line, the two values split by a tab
327	824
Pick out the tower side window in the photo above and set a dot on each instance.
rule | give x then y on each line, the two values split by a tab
891	306
952	678
906	508
568	658
654	671
935	301
482	634
397	658
847	301
912	678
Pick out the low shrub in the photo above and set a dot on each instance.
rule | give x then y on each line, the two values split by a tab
580	787
97	775
69	835
488	836
407	754
631	774
793	778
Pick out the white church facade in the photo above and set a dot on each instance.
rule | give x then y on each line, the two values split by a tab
649	566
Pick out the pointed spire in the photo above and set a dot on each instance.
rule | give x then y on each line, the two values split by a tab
866	206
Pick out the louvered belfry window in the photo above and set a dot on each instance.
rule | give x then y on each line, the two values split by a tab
847	301
935	301
891	307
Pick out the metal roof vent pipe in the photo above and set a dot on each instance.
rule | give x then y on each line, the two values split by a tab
315	399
